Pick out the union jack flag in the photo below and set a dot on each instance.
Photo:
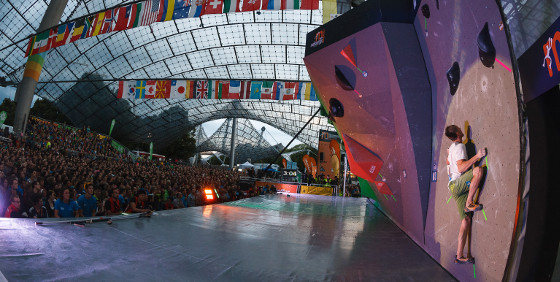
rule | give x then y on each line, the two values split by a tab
202	89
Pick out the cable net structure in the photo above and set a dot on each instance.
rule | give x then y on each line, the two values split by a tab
81	78
250	143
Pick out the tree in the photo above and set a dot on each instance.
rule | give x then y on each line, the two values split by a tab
45	109
10	107
183	147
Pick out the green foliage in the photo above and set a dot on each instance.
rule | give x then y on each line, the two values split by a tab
45	109
183	147
10	107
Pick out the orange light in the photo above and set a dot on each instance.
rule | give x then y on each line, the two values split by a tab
209	197
208	191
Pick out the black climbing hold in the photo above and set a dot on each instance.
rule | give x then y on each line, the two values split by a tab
453	77
337	110
486	49
345	77
426	11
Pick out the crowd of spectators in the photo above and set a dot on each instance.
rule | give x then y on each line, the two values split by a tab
56	171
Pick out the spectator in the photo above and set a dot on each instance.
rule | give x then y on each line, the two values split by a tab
14	210
113	205
139	203
38	210
87	203
65	207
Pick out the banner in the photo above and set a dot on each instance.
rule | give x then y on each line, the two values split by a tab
3	116
117	146
151	149
112	125
539	66
316	190
280	187
147	12
216	89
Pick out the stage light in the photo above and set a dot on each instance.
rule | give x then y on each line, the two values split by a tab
207	191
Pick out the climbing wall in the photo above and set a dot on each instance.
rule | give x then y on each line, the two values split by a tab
391	83
484	105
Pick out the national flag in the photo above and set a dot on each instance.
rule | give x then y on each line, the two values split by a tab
151	12
222	89
53	32
41	40
268	90
163	89
30	46
119	19
289	91
234	89
245	89
79	26
59	37
272	4
97	24
88	30
213	7
309	92
191	87
133	14
231	6
168	10
201	89
107	25
178	89
127	89
256	89
251	5
309	4
150	89
196	8
140	89
70	31
181	9
290	5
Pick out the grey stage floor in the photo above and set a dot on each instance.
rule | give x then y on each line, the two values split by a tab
266	238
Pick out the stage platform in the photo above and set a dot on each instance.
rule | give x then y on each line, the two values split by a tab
265	238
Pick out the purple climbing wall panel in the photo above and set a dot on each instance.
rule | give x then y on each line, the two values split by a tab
400	84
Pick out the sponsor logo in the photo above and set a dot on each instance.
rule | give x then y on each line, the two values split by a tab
551	45
319	38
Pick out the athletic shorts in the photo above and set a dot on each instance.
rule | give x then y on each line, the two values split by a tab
460	190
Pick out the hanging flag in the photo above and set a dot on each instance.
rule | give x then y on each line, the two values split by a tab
245	90
268	90
163	89
140	89
79	25
150	92
256	89
41	40
201	89
178	89
181	9
251	5
151	12
151	149
127	89
112	125
62	33
196	8
212	7
119	19
231	6
234	89
290	5
289	91
97	22
271	4
134	14
222	89
168	10
189	94
309	4
107	25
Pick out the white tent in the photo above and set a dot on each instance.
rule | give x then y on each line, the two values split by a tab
245	165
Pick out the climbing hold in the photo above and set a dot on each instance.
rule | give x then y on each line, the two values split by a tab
486	49
426	11
337	110
345	77
453	77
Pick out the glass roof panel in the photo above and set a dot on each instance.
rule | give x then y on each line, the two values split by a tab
265	45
